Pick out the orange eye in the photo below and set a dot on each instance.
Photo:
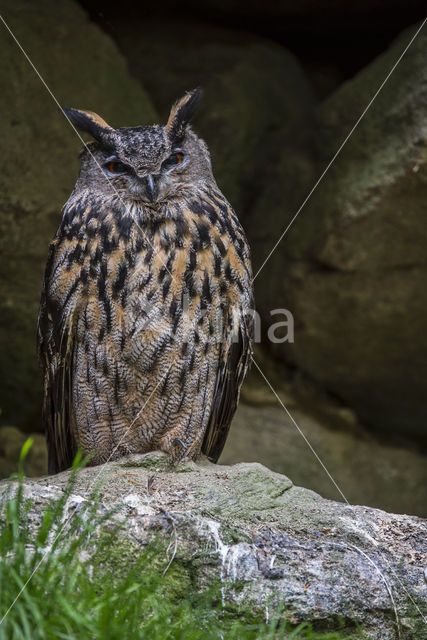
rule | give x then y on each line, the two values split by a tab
114	166
174	159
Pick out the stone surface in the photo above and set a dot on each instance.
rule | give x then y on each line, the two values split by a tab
352	268
319	560
284	19
367	471
12	440
311	11
38	164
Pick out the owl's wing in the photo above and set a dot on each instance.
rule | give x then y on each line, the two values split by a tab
55	341
234	361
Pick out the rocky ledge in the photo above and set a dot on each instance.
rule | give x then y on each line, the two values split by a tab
284	547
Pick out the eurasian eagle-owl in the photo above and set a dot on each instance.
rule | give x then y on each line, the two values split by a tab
144	329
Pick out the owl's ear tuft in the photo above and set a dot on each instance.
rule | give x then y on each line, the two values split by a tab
90	122
181	114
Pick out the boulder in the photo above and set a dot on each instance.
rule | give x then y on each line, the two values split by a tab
12	440
303	24
367	470
275	546
353	268
38	165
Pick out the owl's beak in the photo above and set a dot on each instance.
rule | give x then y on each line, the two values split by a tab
150	187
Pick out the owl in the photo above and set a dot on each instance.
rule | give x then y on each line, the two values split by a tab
145	330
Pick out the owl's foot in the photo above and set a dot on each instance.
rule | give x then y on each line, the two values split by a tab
179	441
180	451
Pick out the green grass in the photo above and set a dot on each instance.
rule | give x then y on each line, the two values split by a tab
66	595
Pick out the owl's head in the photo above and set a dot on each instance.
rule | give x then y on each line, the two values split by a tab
150	163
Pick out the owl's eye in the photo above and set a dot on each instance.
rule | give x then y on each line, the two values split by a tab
174	159
114	166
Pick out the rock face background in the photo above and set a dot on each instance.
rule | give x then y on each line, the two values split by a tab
354	263
283	88
39	164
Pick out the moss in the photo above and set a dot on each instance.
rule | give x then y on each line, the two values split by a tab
412	622
152	461
255	490
117	557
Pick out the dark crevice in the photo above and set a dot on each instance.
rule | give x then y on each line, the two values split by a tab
337	38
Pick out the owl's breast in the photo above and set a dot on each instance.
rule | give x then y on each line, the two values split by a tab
129	286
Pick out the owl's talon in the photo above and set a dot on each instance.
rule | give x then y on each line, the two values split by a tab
180	442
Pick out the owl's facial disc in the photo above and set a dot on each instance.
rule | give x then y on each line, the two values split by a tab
147	186
125	178
145	163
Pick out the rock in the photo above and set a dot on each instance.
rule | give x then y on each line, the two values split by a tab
11	443
306	14
285	20
354	261
256	96
287	547
38	164
384	475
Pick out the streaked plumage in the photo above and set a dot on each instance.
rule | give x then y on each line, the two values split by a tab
144	331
